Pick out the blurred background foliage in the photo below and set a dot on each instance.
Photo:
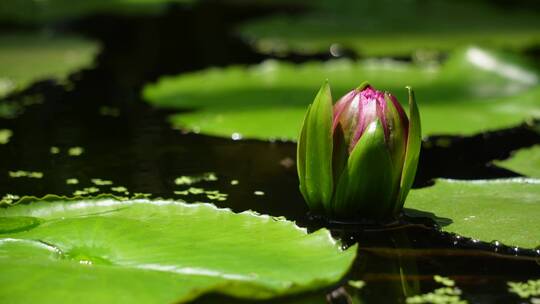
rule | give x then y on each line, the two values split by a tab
473	63
396	27
29	56
473	91
50	11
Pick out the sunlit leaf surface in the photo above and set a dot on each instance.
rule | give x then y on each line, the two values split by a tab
475	90
141	251
391	27
498	210
27	57
524	161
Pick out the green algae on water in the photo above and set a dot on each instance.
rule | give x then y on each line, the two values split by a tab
444	281
72	181
54	150
525	290
214	195
120	189
193	179
101	182
5	135
358	284
75	151
86	191
449	294
8	199
22	173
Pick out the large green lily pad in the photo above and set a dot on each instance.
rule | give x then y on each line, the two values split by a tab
27	57
394	27
503	210
140	251
475	90
524	161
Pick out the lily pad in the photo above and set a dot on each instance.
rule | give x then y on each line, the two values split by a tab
28	57
140	251
503	210
475	90
393	27
524	161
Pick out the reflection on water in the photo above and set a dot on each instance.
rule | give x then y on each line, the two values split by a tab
393	276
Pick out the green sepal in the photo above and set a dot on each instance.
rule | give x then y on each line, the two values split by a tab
315	152
301	156
412	153
397	134
340	153
408	267
365	185
396	142
363	85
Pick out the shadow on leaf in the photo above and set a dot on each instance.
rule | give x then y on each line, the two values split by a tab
426	218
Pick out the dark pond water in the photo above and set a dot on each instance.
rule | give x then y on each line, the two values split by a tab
139	150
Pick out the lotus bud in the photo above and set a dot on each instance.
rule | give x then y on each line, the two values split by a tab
357	159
